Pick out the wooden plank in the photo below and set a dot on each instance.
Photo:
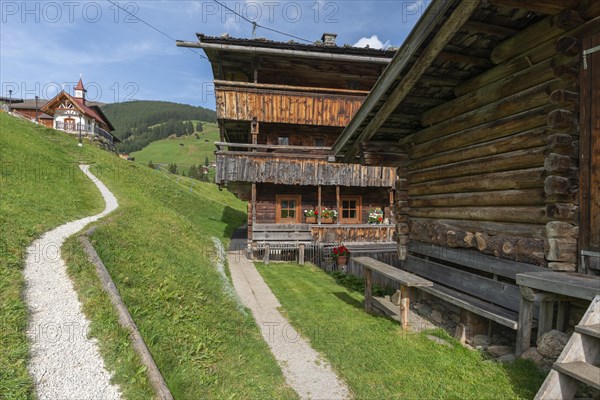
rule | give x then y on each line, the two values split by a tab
524	326
580	370
549	7
479	307
590	330
281	228
387	307
474	259
399	275
500	293
573	285
281	236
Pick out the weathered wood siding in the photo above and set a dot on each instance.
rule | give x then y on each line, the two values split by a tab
495	168
279	106
297	170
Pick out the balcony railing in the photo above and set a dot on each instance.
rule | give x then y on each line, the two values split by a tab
73	127
83	128
294	165
287	104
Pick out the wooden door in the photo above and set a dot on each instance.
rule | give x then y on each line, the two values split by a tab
589	234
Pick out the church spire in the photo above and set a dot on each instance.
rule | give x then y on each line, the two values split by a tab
80	90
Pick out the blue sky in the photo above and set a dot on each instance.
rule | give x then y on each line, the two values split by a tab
45	45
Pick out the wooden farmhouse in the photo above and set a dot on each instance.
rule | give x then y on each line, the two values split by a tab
280	107
492	109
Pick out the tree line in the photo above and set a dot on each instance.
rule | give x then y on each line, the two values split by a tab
138	123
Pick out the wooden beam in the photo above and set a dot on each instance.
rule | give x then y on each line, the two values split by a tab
548	7
427	23
319	204
488	29
460	15
464	59
314	55
253	204
338	202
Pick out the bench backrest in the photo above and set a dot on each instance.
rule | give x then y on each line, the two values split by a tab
442	265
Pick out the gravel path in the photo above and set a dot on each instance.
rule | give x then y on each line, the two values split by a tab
304	369
64	363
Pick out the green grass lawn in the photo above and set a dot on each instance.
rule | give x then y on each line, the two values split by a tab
194	151
376	358
157	247
41	188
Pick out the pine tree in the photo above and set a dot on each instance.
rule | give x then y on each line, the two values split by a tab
206	162
151	165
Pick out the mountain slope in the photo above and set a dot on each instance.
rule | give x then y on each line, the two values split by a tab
138	123
183	151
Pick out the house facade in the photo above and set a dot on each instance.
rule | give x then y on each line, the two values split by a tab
280	107
72	114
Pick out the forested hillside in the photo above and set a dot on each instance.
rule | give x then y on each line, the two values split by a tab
138	123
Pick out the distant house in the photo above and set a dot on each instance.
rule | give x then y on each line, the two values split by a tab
72	114
27	109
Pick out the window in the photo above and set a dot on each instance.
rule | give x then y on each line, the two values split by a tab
320	142
288	209
350	210
283	140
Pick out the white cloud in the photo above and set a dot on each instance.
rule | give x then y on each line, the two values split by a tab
372	42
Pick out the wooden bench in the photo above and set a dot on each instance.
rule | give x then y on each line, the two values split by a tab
481	284
405	279
549	286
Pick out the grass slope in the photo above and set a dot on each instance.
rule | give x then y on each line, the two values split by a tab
157	247
376	358
41	188
194	151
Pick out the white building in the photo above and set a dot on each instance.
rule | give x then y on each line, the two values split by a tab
72	114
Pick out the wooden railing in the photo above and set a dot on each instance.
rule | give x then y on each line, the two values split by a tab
274	148
324	233
298	168
286	104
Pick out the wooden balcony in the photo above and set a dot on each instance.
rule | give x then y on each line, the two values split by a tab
294	165
323	233
243	101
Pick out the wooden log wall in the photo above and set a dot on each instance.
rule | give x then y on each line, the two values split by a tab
496	168
235	103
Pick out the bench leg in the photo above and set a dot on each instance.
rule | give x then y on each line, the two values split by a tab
524	328
561	315
545	318
404	305
368	287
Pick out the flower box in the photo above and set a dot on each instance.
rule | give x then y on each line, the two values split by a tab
326	220
311	220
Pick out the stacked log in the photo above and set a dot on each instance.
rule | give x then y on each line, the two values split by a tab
401	213
561	165
495	169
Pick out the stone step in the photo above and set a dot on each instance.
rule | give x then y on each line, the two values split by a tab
580	370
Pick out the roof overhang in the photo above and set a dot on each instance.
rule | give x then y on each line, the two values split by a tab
265	50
